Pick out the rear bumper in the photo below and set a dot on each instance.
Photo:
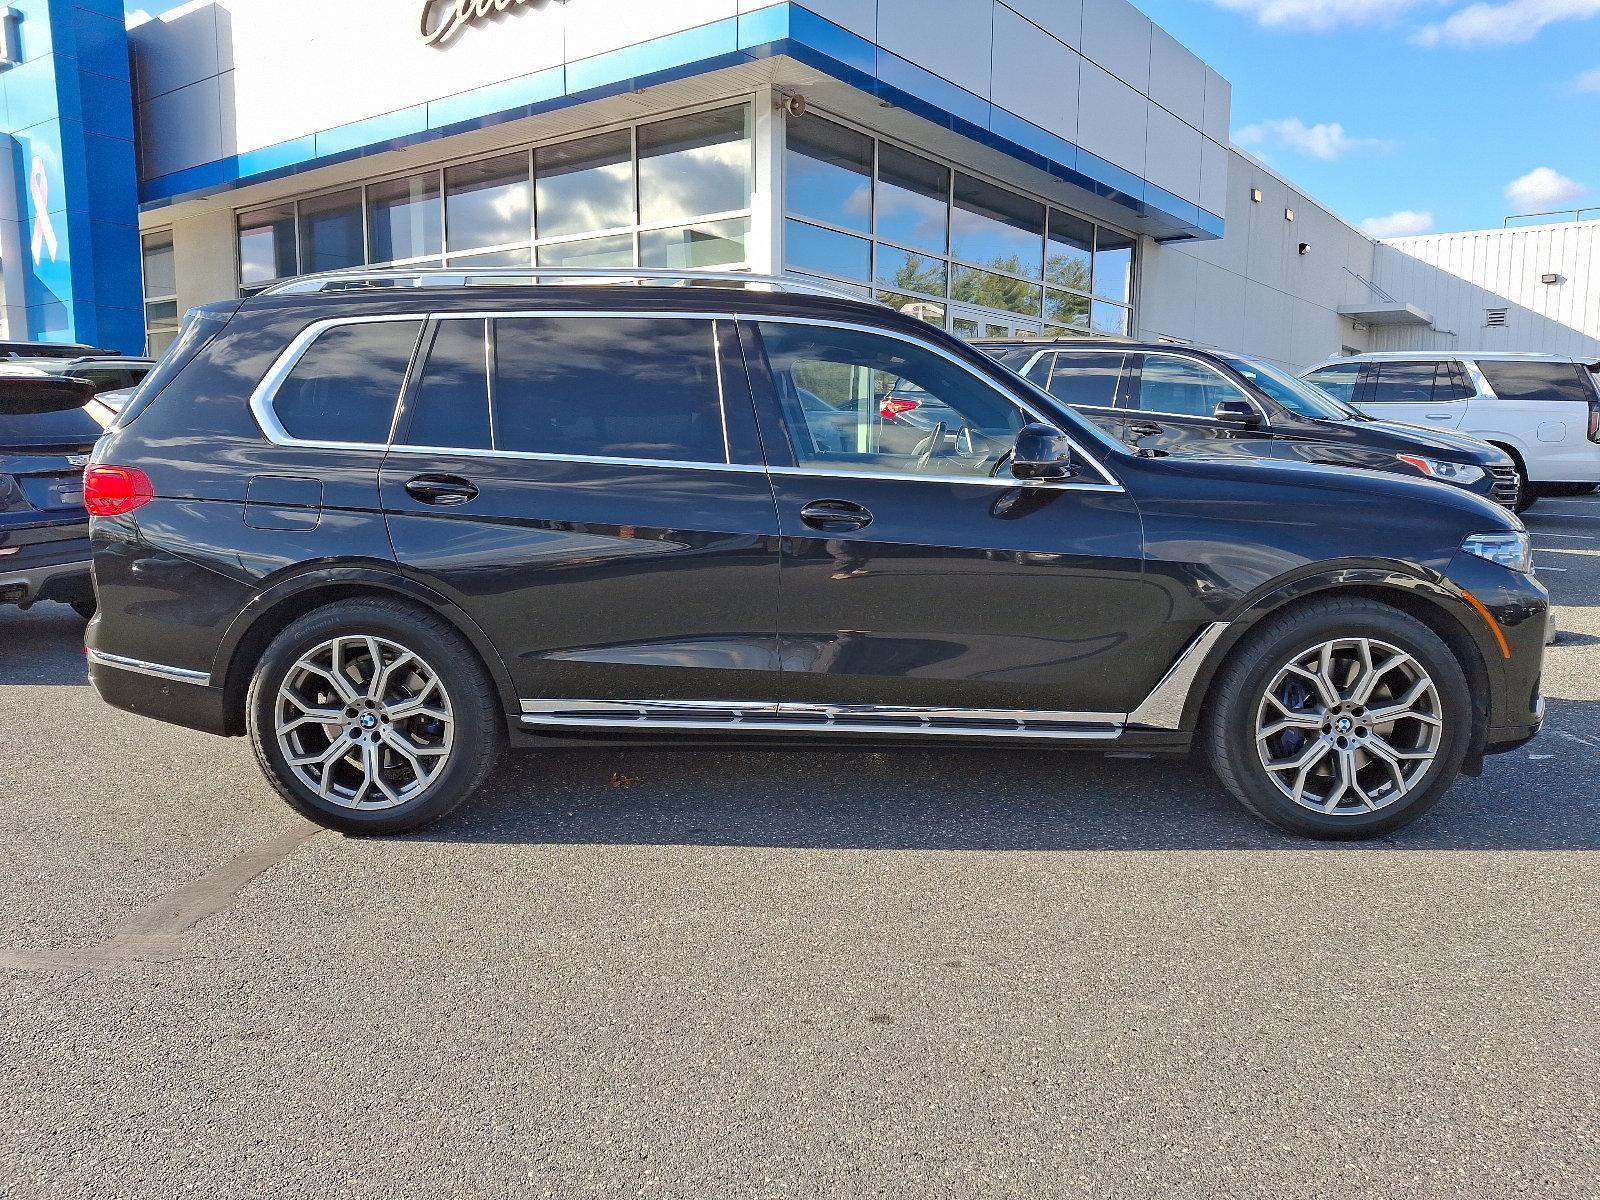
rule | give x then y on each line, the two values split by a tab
54	571
154	690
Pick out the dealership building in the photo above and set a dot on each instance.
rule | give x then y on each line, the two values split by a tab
995	167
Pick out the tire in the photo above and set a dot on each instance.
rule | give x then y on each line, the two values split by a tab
398	772
84	608
1568	489
1387	794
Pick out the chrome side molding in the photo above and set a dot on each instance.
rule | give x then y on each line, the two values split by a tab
139	667
1162	710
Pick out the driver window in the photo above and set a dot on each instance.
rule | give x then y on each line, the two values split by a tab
863	401
1182	387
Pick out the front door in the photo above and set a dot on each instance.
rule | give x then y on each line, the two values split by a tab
917	573
589	489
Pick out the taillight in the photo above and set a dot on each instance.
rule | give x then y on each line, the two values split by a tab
892	407
1594	420
112	491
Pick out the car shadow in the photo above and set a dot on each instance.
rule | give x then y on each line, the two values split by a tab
932	798
43	645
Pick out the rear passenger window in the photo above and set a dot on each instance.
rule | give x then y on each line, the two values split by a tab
1539	381
1411	383
346	384
608	387
450	403
1085	380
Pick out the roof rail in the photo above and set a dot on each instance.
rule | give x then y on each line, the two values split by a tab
424	277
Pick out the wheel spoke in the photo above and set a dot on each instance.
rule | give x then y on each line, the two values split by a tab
342	685
312	716
1330	695
1382	752
1296	721
1345	761
1405	706
325	757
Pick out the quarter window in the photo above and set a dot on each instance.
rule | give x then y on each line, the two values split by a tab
1181	387
609	387
860	401
346	384
1538	381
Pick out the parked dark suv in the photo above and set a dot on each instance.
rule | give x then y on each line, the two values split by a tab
384	524
47	430
1171	399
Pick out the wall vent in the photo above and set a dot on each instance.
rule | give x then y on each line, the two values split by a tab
1496	318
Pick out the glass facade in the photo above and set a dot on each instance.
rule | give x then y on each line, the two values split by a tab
978	258
671	193
160	292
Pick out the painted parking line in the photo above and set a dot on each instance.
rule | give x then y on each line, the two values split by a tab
1568	550
1579	537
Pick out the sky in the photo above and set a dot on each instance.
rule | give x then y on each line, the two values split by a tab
1403	116
1408	116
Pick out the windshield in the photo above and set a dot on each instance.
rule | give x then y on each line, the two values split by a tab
1296	395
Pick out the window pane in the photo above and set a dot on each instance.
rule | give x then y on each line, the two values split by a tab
690	166
605	387
1538	381
345	386
1182	387
1063	308
1086	380
406	218
995	291
1113	266
865	402
828	173
994	228
808	248
1069	254
1109	320
1404	383
585	185
613	251
522	256
266	244
913	200
905	271
488	203
450	404
331	237
160	273
1339	381
713	244
161	312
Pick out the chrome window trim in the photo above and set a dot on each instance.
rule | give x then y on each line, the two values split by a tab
1160	711
157	670
1266	418
1004	481
1112	483
591	459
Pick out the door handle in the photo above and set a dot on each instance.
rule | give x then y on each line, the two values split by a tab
1440	417
835	516
443	490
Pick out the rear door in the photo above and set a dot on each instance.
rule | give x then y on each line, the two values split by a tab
1416	393
589	488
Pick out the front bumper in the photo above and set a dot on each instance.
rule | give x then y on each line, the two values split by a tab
1508	614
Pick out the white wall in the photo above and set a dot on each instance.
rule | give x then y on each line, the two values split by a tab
1458	276
231	76
1253	291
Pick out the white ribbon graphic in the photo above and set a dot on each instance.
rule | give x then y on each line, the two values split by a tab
44	233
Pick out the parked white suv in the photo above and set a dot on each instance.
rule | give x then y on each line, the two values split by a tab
1542	409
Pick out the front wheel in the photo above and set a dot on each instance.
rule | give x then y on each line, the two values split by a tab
1342	719
373	717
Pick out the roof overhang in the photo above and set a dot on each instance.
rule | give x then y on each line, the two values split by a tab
1386	314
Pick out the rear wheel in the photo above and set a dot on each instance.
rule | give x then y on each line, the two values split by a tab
373	717
84	608
1342	719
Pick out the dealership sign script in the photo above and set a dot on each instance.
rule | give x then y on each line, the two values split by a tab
443	19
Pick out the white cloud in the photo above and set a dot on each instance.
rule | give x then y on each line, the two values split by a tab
1543	188
1326	141
1404	223
1589	81
1504	21
1317	14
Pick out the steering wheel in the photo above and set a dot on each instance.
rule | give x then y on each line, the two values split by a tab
926	448
999	463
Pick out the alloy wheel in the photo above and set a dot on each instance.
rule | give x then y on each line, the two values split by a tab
364	722
1349	726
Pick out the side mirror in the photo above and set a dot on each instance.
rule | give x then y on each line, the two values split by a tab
1042	453
1237	412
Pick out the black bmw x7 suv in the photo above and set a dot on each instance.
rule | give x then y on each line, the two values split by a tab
386	530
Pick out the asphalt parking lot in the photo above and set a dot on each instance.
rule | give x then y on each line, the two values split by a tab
801	973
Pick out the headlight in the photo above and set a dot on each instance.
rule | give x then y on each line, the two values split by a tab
1514	550
1460	474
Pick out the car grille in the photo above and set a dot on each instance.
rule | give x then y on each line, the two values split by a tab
1505	485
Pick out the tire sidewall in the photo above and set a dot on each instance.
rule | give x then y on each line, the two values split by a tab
460	677
1288	641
